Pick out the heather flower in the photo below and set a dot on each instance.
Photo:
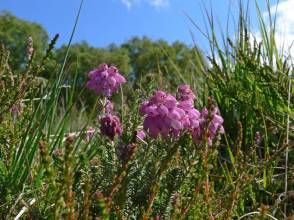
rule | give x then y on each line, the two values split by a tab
124	152
140	134
110	126
192	115
161	113
185	93
210	123
108	107
164	115
90	133
15	110
105	80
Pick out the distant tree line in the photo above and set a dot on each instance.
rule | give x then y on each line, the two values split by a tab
136	59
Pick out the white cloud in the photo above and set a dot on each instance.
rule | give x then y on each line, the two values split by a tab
129	3
159	3
284	25
155	3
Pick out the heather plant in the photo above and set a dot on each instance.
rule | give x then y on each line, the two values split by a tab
250	80
158	152
105	80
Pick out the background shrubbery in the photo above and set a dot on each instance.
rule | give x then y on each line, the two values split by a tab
51	168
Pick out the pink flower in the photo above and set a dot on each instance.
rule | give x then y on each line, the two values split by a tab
165	116
159	114
105	80
210	123
140	134
185	93
110	126
108	107
90	133
15	110
192	115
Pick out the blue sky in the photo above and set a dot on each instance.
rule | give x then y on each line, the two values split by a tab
114	21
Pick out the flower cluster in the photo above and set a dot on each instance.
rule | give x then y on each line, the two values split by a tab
210	123
105	80
186	102
185	93
110	126
164	115
109	123
108	107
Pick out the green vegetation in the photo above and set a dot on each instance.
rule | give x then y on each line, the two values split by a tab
53	167
14	34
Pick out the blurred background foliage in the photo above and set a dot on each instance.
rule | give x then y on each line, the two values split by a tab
241	173
136	59
14	33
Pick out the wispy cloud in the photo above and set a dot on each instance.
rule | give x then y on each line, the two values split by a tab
284	24
129	3
155	3
159	3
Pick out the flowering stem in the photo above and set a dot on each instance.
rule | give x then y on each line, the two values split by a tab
155	185
207	185
287	143
122	103
117	182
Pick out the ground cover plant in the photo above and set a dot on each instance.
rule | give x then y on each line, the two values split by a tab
203	137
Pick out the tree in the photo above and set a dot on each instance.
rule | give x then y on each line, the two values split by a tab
14	33
83	58
160	59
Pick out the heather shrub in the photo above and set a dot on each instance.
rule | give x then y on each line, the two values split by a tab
216	144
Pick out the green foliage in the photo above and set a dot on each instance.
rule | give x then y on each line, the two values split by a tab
171	62
51	168
83	58
14	33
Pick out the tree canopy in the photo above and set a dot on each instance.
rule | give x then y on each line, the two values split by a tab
14	33
137	59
